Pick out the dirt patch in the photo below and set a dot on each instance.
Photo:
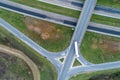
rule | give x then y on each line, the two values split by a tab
45	29
106	45
110	46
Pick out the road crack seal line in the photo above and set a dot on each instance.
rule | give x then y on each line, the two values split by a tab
19	54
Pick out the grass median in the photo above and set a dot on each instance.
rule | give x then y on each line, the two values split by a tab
73	13
110	3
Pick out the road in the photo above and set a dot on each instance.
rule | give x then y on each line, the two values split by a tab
93	68
53	17
32	44
19	54
77	5
65	69
77	36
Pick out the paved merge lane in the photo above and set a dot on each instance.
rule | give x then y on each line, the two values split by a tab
93	68
77	36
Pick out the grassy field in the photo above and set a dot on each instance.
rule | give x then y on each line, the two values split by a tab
47	70
98	48
17	21
88	75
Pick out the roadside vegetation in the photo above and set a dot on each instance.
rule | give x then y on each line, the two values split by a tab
113	74
13	68
98	48
74	13
47	70
52	37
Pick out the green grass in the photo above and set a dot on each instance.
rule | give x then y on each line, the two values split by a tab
88	75
105	20
69	12
14	69
97	54
110	3
17	21
76	63
47	70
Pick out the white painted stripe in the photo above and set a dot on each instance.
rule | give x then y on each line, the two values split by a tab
76	49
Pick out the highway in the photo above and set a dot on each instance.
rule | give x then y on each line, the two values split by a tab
77	36
77	5
53	17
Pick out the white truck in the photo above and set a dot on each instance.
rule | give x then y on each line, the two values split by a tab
76	49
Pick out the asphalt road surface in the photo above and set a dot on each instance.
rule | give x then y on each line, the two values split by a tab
65	69
77	36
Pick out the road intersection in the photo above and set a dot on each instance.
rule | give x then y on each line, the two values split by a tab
77	37
65	69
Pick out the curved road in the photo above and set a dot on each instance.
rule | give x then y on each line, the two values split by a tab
19	54
51	57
